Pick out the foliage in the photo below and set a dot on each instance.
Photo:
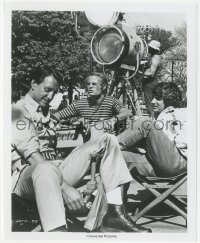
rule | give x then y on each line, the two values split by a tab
47	38
176	58
181	33
173	53
165	37
43	37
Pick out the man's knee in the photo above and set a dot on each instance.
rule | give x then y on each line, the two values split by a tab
108	136
147	123
141	123
153	125
47	171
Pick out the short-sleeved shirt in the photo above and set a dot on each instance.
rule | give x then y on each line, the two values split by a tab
44	127
32	131
24	140
84	108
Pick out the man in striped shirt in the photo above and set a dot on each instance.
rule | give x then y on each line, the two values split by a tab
98	110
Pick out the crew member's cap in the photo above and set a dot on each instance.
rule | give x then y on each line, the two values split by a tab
154	44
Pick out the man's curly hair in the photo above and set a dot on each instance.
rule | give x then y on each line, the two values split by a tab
169	93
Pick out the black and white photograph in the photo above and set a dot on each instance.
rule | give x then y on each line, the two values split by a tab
101	121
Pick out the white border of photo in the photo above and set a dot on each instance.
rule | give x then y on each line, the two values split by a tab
190	10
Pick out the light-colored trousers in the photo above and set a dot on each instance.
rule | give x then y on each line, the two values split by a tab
44	182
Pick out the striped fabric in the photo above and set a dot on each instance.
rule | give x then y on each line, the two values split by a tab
49	155
110	107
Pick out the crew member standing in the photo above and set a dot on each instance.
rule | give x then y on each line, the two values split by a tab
150	73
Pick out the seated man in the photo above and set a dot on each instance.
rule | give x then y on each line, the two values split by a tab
37	175
99	110
164	139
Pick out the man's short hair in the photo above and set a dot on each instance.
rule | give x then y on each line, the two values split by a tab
39	73
169	93
100	75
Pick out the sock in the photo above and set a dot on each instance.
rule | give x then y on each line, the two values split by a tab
115	196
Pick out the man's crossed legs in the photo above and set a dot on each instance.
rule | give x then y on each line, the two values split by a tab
165	158
49	184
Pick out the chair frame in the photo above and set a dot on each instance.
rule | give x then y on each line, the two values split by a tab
168	186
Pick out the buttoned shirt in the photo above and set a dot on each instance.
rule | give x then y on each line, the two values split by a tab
42	123
32	131
173	122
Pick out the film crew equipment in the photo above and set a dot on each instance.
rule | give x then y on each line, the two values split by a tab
90	21
115	45
96	19
118	46
92	184
90	191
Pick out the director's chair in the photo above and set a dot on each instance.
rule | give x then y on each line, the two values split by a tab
162	189
25	216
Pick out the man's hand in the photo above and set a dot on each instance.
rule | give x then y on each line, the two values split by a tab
141	150
86	126
55	118
109	125
83	125
143	62
73	198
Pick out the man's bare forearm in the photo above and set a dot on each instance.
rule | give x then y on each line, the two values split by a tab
124	114
36	158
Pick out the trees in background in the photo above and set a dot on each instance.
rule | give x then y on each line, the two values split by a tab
175	60
165	37
49	37
173	53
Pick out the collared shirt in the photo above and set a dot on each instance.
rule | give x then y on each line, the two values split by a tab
24	143
173	122
32	131
42	123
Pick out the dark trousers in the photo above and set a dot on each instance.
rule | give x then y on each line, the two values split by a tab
163	154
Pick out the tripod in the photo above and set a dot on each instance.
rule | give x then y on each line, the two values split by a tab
120	85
